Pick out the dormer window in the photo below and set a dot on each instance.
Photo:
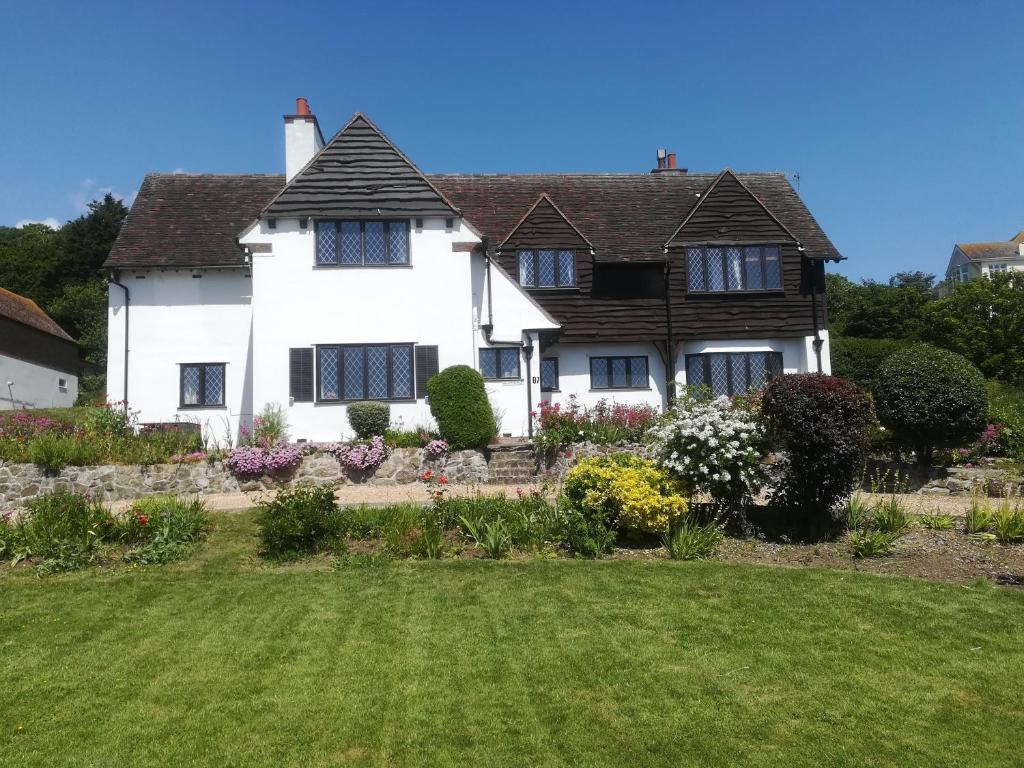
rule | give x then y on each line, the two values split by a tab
370	243
547	269
716	268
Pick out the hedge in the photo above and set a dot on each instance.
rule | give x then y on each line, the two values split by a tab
459	404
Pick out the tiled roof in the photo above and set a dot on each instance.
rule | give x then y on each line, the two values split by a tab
27	312
191	220
987	251
627	217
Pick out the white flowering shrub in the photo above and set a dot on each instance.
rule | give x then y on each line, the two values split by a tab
712	446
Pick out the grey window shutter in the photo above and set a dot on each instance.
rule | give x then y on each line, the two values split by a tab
426	366
300	374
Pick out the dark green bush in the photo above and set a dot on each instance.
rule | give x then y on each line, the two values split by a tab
859	359
162	529
460	406
821	423
1006	407
299	521
369	419
64	531
931	398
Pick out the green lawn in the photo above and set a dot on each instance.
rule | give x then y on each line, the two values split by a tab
221	661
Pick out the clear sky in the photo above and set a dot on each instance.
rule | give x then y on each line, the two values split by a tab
905	121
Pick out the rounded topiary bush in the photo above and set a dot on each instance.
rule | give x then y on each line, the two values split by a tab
821	423
930	398
459	404
369	419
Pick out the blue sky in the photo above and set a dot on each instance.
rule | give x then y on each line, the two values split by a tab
905	121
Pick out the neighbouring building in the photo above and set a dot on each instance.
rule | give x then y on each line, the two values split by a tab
971	260
38	361
355	276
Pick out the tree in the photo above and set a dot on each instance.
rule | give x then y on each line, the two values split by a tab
871	309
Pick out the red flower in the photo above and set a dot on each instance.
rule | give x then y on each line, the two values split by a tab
426	476
143	519
442	480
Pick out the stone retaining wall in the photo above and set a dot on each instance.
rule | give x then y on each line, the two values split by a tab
21	482
943	481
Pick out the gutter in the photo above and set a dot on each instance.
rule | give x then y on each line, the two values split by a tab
670	352
814	305
113	279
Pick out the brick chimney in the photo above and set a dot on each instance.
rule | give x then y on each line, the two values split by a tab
302	138
667	163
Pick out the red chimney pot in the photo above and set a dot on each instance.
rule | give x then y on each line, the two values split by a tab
302	106
671	159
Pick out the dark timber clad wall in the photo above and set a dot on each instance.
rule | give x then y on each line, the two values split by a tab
545	227
730	214
360	174
31	345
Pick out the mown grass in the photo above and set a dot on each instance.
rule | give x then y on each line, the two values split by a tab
220	660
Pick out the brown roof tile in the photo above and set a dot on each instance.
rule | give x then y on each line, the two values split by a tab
27	312
988	251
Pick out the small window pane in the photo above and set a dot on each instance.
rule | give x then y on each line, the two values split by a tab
377	373
738	372
326	243
401	372
190	385
638	372
546	269
720	374
566	269
716	269
772	268
734	269
755	278
214	389
489	363
695	371
398	242
549	374
329	373
373	242
758	369
599	373
353	367
527	275
350	249
509	363
695	269
619	374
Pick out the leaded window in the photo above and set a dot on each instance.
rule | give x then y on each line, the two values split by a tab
734	268
547	269
362	243
202	385
619	373
499	362
364	372
549	374
732	373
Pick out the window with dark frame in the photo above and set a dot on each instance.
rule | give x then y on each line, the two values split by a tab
499	362
202	385
547	269
723	268
364	372
369	243
732	373
619	373
549	374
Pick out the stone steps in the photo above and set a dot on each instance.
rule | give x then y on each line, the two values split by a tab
512	464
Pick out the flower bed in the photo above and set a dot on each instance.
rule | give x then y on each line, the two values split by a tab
605	423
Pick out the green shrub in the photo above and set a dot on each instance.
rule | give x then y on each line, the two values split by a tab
1008	522
491	535
459	404
52	453
583	536
1006	407
931	398
937	521
162	529
369	419
891	516
299	521
978	518
858	360
871	543
65	530
821	422
408	438
626	491
691	541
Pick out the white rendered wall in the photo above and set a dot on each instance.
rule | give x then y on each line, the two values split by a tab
574	375
176	318
438	299
797	354
29	385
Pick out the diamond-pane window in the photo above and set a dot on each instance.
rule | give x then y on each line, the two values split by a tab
599	373
509	358
618	372
329	370
738	383
758	370
527	273
489	363
190	385
733	373
351	249
772	268
352	367
620	377
326	243
720	374
401	372
734	269
373	242
214	389
695	371
755	276
549	374
546	269
695	269
716	269
499	362
377	373
566	269
202	385
398	242
638	371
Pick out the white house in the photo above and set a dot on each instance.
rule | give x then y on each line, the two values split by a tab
357	277
971	260
38	360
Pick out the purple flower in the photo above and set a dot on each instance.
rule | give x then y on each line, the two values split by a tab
361	456
437	448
